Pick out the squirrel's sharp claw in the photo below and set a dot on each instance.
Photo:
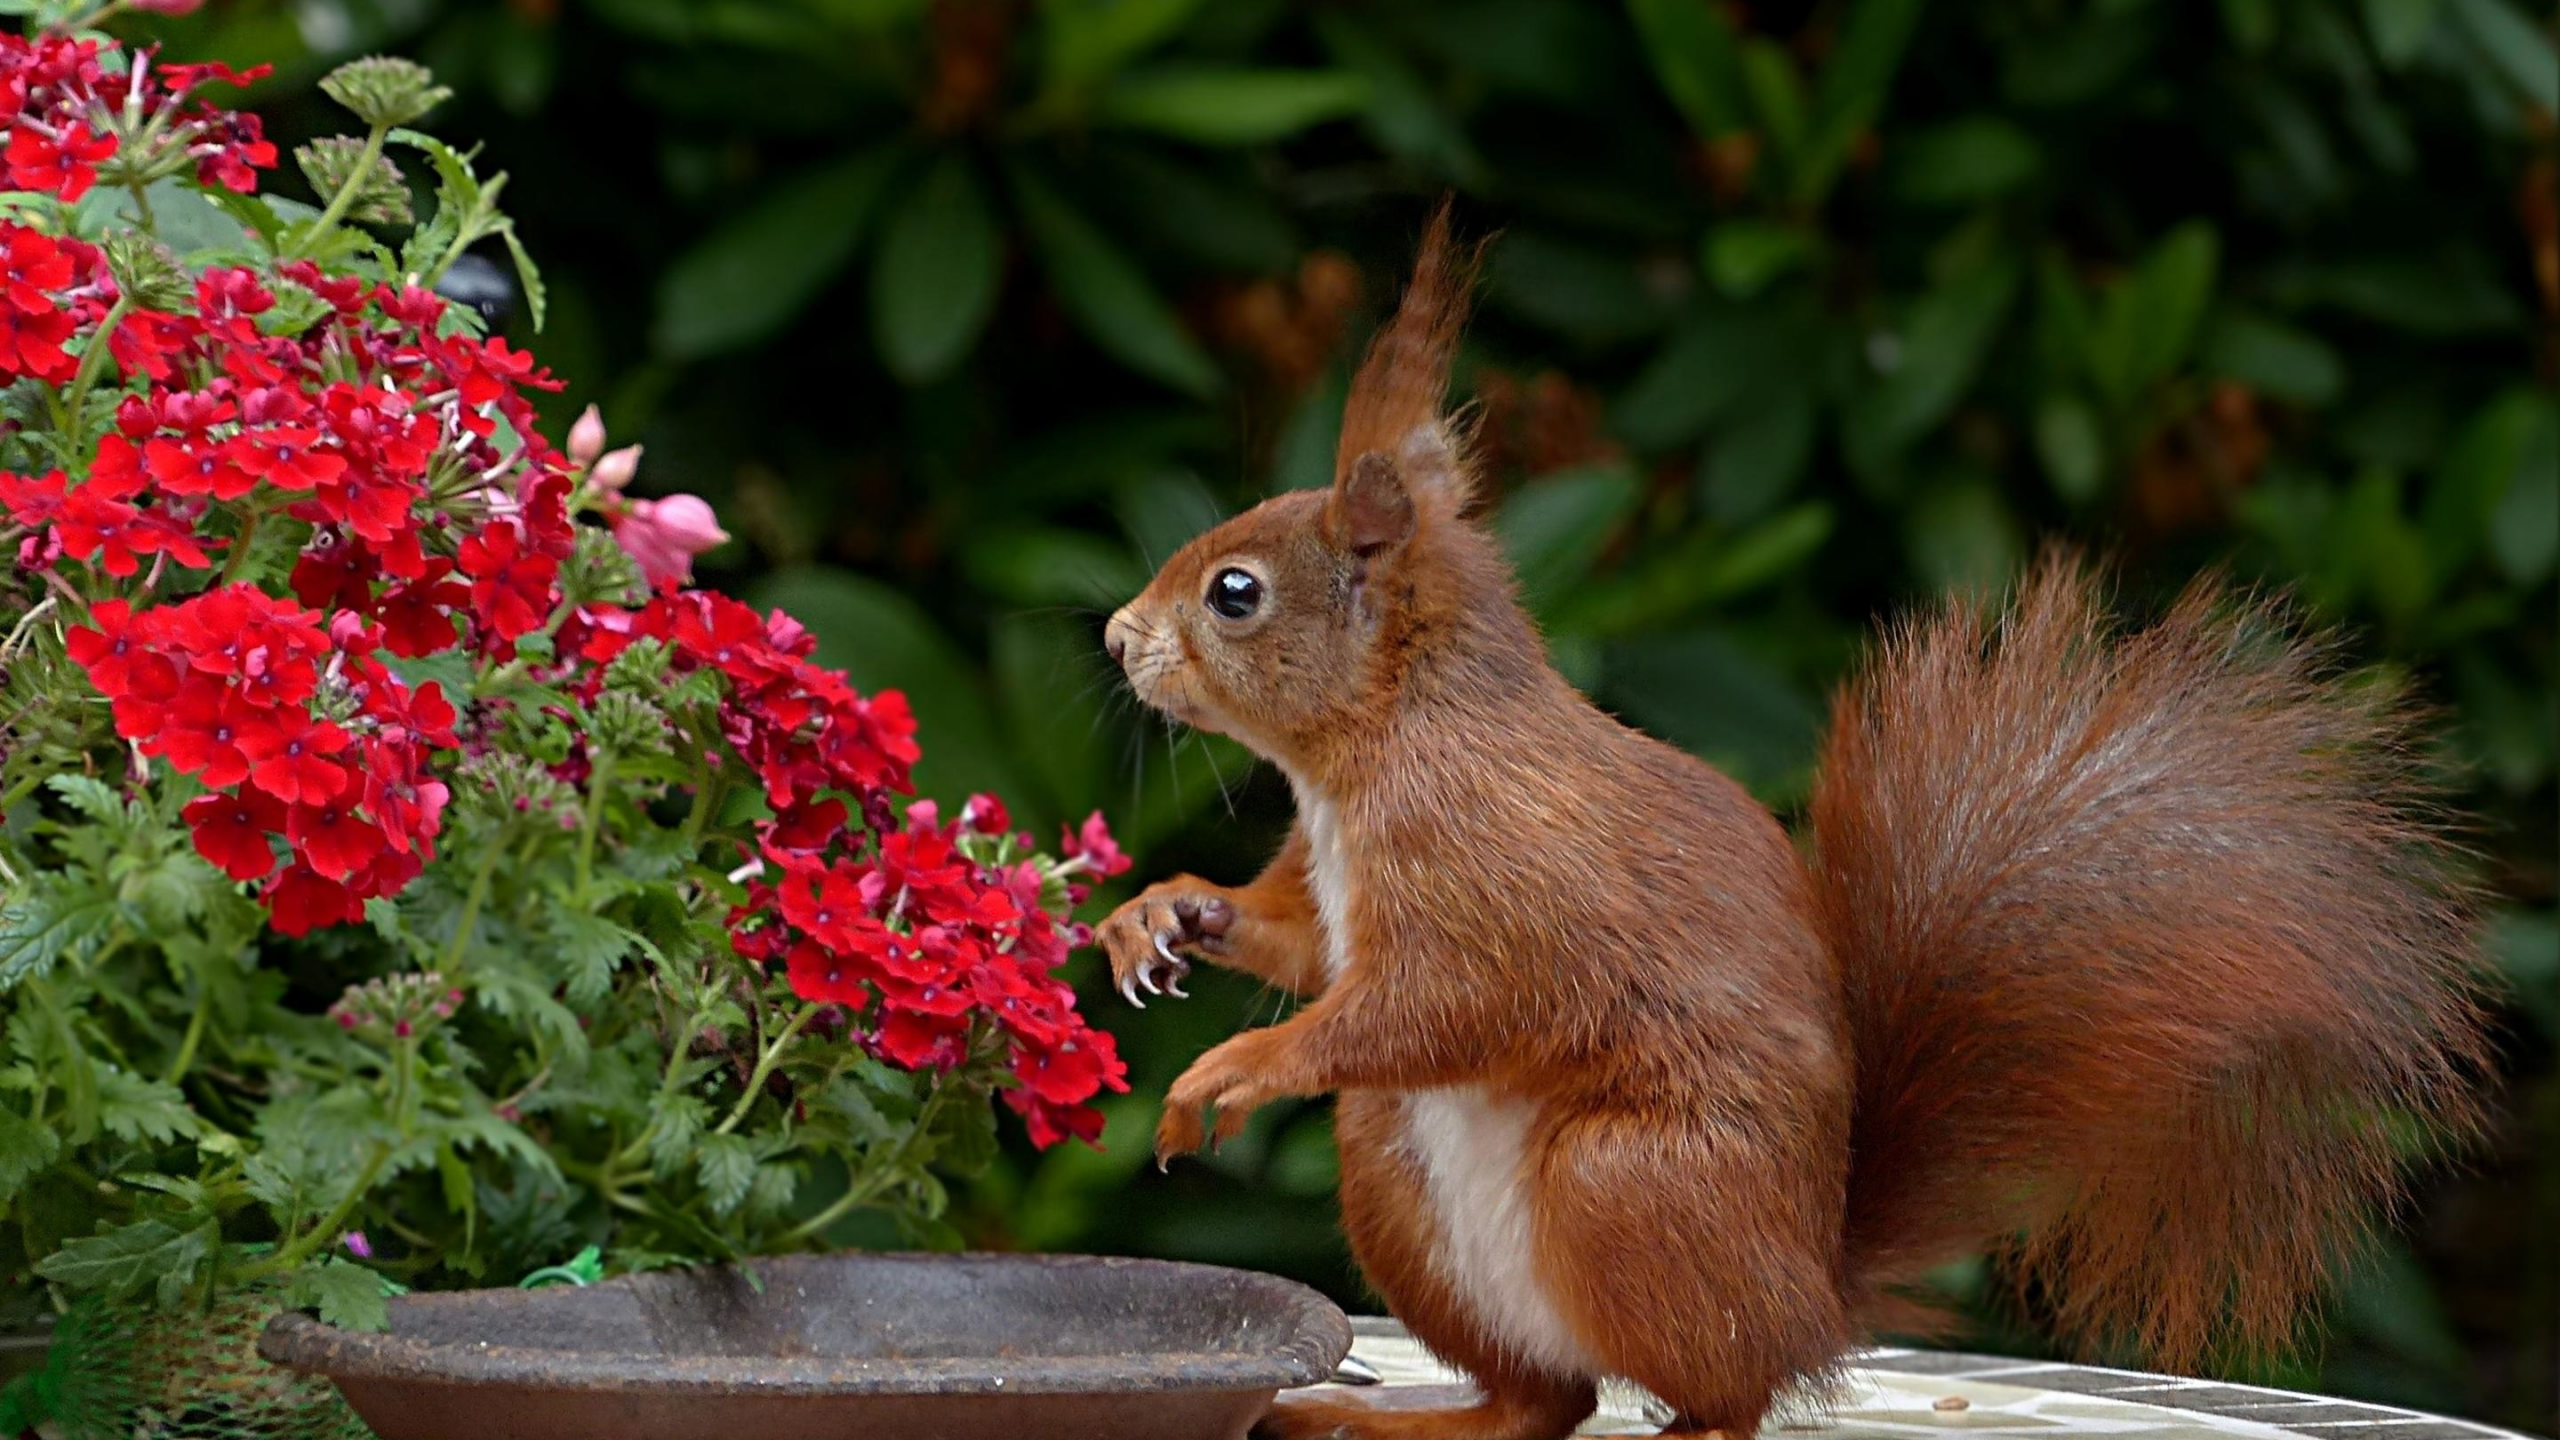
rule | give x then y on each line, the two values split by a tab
1129	991
1174	989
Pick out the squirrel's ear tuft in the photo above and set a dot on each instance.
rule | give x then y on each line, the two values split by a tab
1395	404
1370	509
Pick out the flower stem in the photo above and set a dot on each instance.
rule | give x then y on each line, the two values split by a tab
863	1191
472	902
311	1242
92	360
345	199
194	1037
764	1068
593	821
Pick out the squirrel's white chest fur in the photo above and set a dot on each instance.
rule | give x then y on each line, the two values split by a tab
1469	1147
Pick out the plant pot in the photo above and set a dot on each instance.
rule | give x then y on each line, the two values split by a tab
889	1347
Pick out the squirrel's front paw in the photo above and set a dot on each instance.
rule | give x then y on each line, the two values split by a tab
1230	1082
1144	937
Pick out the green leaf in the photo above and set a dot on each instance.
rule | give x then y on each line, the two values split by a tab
25	1149
727	1166
1705	692
933	284
2273	358
1106	293
127	1258
53	916
1766	552
2148	322
1694	56
1851	93
346	1294
1743	256
1085	41
1576	290
1556	526
1231	106
1965	162
675	1123
2517	48
1962	537
135	1108
1720	357
537	300
92	797
2400	28
1943	343
1755	462
588	949
2525	534
762	268
2069	442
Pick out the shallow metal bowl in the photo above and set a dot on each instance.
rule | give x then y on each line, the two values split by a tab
887	1347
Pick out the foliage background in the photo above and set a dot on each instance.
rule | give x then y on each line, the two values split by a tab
961	312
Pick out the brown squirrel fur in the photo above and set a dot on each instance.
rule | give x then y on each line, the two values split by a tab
2113	952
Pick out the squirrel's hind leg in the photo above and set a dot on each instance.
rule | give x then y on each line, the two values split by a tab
1692	1258
1389	1227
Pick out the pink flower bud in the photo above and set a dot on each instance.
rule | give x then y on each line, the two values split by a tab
665	535
586	438
355	1241
166	7
615	470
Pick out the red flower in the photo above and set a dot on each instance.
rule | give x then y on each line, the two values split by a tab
107	647
285	458
1094	845
300	901
31	344
232	830
180	467
820	975
208	733
510	588
65	166
292	764
417	618
33	265
332	839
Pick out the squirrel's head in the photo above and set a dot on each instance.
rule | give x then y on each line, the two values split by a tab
1290	625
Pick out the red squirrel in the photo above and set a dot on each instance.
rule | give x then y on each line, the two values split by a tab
2120	954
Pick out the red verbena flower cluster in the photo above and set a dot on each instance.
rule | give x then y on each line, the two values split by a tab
917	940
67	113
360	429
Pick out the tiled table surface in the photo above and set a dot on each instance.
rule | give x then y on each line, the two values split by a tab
1911	1395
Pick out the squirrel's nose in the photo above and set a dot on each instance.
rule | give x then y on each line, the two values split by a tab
1115	637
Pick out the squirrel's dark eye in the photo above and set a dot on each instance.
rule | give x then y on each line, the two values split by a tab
1234	593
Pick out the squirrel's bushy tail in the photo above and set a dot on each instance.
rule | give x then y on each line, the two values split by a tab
2154	959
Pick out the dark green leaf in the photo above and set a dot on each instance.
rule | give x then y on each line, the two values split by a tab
1962	537
1721	356
2150	317
2273	358
2400	27
1088	40
1231	107
2069	442
1743	256
586	949
1965	162
1556	526
1693	53
2525	533
1851	93
1942	346
2517	47
933	283
50	917
1706	693
136	1108
762	267
2480	471
1107	295
1576	290
1754	463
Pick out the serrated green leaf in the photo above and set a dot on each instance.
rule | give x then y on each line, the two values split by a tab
90	796
675	1122
726	1165
933	283
346	1294
127	1258
54	916
537	300
135	1108
589	948
25	1149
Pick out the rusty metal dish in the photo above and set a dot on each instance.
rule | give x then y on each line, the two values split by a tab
887	1347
